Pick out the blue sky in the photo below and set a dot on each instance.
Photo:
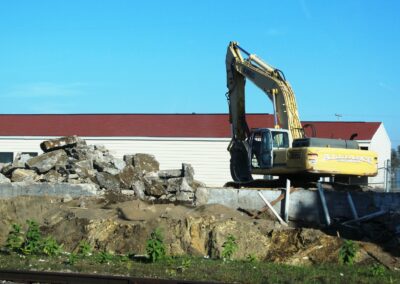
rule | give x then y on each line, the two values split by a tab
116	56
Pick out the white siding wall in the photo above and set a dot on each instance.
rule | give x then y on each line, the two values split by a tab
381	144
209	157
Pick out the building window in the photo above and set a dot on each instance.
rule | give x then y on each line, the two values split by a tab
32	154
6	157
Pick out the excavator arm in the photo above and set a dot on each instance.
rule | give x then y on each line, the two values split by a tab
272	82
268	79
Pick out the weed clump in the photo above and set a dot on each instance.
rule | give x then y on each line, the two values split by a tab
348	252
155	246
230	246
31	242
84	249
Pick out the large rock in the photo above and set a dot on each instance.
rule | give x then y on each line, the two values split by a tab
201	196
178	184
107	181
128	176
19	175
139	188
169	174
4	179
81	152
20	160
48	161
144	162
59	143
118	163
53	176
103	161
6	169
84	169
188	172
185	197
154	187
174	184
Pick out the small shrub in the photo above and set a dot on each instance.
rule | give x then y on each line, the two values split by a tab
155	246
50	247
84	249
251	258
348	252
72	259
377	270
185	264
15	239
33	239
104	257
229	247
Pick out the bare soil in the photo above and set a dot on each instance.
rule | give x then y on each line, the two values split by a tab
122	224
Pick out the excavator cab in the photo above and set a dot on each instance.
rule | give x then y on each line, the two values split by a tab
263	142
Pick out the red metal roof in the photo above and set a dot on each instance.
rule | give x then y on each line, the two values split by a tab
159	125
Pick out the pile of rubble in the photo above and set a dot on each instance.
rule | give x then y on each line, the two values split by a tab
69	159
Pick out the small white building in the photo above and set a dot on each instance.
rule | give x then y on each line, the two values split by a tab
198	139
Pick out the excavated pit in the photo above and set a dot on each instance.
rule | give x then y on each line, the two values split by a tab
132	197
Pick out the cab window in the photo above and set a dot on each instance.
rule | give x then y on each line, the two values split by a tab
280	139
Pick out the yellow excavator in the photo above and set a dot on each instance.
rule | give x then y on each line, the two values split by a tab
283	151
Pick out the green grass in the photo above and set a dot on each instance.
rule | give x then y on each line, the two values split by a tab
186	268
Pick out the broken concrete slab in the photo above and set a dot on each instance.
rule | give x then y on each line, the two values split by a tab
188	172
19	175
9	190
178	184
4	179
185	187
6	169
69	159
154	187
139	188
119	164
128	159
107	181
184	196
174	184
47	161
84	169
145	162
20	160
53	176
128	176
63	142
169	174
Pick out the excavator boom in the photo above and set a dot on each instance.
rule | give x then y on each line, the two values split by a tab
268	79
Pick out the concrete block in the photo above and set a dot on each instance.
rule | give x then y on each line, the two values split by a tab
9	190
249	199
224	196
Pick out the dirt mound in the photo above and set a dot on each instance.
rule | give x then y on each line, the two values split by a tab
124	226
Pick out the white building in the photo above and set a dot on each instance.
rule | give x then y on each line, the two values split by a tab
198	139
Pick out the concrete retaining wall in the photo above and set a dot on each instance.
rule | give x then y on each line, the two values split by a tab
305	205
9	190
